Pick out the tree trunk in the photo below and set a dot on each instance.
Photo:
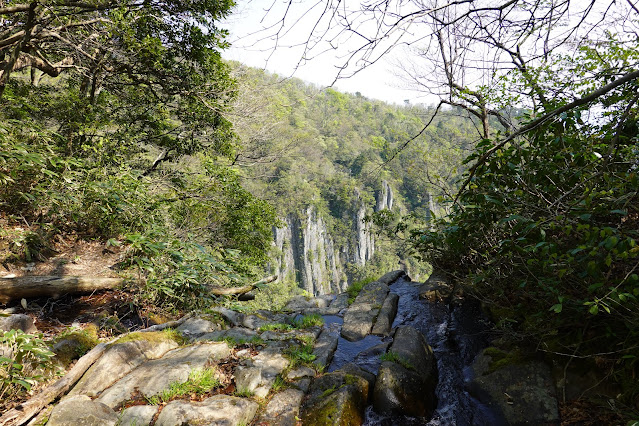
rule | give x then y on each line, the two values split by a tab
36	286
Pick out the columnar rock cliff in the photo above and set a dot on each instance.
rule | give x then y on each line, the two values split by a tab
307	253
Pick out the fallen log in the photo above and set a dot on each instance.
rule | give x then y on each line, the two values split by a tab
232	291
37	286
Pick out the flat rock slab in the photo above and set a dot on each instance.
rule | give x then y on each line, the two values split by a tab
219	410
237	334
152	377
120	359
80	410
386	316
521	394
283	409
138	415
359	318
408	385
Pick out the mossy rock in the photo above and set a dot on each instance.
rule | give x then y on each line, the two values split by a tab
154	336
336	398
72	346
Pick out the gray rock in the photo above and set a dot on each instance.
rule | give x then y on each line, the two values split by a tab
407	387
153	377
336	398
219	410
521	394
310	333
80	410
247	379
389	277
299	303
300	373
18	322
194	327
282	409
237	333
324	348
235	318
302	384
386	316
119	360
340	302
138	415
359	317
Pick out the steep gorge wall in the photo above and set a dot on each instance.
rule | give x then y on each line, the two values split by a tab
307	253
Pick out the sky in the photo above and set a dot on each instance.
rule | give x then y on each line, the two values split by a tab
253	45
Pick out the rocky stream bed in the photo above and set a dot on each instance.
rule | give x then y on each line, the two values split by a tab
397	355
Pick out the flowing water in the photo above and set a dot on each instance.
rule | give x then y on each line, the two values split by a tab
456	336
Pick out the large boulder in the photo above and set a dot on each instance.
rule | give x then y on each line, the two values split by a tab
390	277
220	410
519	391
324	348
406	384
436	288
360	316
81	410
337	399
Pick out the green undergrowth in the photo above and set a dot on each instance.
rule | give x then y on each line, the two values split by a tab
501	358
301	355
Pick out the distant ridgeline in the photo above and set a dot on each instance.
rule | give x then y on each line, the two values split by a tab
327	160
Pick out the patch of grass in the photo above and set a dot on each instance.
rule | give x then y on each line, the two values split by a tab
301	355
312	320
279	384
200	381
276	327
354	289
243	393
394	357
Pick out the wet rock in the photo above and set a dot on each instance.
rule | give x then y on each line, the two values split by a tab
358	320
521	393
220	410
120	359
436	288
408	385
18	322
138	415
336	398
81	410
324	348
194	327
392	276
386	316
283	409
152	377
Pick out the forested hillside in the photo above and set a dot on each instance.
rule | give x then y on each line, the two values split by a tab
324	156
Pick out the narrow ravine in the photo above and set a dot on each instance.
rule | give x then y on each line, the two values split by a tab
456	335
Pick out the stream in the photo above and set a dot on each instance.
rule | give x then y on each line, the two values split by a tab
456	336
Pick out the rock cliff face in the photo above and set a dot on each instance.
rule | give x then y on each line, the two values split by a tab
308	254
